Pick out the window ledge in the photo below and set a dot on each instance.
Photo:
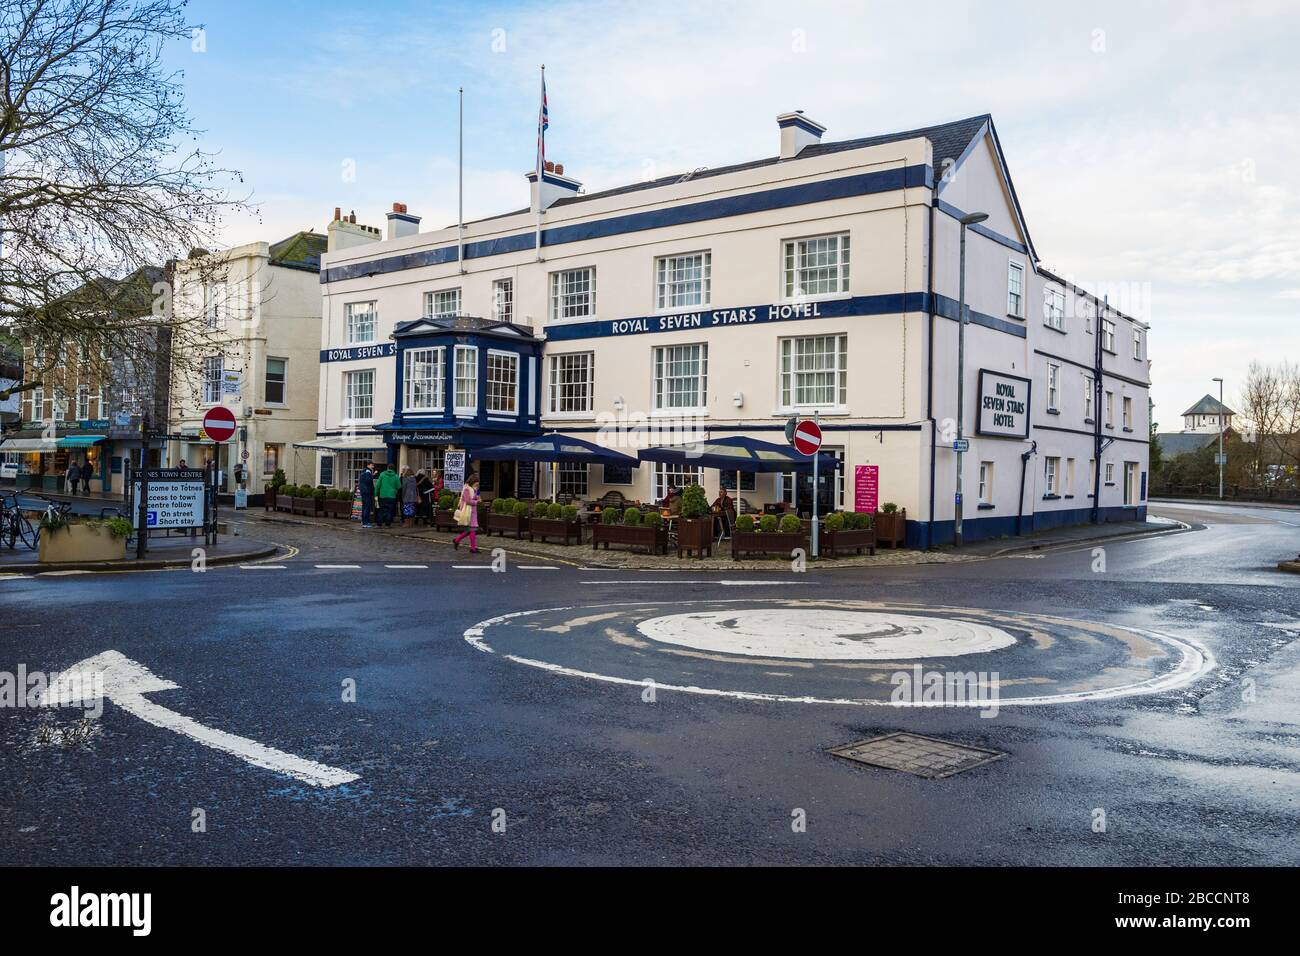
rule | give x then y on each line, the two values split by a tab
1128	429
985	506
680	413
1090	421
809	410
569	416
1051	497
1048	325
810	299
1070	497
1110	484
1053	411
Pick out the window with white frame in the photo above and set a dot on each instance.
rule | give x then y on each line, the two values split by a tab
214	305
681	377
360	322
359	395
83	402
986	483
1108	335
573	294
1051	475
427	460
1110	409
571	383
1127	412
37	405
60	402
214	368
816	266
442	302
1092	476
1089	391
273	455
682	282
502	383
1053	387
349	467
1137	344
1054	308
1130	482
1069	477
503	300
571	478
675	476
814	371
277	374
1110	472
466	379
1015	289
422	379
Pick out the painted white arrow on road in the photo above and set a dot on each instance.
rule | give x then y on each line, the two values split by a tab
125	682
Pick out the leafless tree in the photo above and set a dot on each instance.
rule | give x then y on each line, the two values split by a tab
98	175
1270	403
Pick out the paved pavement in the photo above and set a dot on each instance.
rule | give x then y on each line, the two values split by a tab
350	704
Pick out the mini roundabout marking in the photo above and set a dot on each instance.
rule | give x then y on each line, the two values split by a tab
845	652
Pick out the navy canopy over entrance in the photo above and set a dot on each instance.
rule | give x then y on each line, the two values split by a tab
738	453
564	448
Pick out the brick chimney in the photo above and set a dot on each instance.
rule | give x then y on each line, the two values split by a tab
402	223
798	131
554	185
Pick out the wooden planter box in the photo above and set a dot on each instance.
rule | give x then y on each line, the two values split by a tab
268	499
890	529
767	542
832	543
656	539
695	534
507	524
304	506
79	543
444	520
336	508
554	528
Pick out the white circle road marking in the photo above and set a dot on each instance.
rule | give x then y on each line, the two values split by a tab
1196	661
802	634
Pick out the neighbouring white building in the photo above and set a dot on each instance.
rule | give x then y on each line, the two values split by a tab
819	281
260	304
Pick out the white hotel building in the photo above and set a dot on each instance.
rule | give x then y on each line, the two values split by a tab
823	280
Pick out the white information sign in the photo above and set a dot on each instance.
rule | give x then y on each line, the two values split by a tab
453	470
174	502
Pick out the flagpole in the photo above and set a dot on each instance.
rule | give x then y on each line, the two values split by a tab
541	140
460	189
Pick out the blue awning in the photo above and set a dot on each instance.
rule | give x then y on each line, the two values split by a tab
80	441
738	453
555	448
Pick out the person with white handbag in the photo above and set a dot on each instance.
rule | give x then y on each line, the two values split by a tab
467	514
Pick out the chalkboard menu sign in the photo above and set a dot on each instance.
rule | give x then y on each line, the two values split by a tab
526	483
618	474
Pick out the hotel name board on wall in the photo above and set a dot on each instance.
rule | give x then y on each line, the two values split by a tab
743	315
1003	405
356	353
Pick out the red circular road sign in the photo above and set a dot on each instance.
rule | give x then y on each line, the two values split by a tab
219	423
807	437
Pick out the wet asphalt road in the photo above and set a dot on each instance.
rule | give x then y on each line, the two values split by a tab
446	739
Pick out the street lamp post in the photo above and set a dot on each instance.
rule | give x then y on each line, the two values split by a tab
967	220
1220	381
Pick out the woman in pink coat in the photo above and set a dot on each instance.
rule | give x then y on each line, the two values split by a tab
469	498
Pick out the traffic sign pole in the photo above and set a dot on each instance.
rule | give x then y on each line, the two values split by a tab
807	437
816	489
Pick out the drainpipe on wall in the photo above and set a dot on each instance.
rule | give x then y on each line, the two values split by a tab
929	370
1024	465
1097	411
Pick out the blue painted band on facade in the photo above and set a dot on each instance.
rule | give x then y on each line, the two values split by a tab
1004	526
844	187
980	229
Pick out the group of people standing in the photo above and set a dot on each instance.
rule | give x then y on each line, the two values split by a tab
388	493
415	494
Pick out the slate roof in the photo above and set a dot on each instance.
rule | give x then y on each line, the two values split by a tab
302	250
949	141
1209	405
1173	444
461	323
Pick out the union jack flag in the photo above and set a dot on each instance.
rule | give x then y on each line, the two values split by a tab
543	123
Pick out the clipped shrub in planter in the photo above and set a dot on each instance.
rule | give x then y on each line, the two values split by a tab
847	531
304	500
444	516
891	524
284	497
611	516
695	525
774	536
635	530
338	503
505	517
555	521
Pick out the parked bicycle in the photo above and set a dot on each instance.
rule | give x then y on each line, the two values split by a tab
15	525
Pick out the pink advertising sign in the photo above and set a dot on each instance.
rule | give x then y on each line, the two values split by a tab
866	488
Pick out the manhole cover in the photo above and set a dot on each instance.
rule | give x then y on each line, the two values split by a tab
913	753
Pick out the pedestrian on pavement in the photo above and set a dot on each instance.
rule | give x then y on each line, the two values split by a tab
410	496
74	476
468	511
423	485
388	487
366	485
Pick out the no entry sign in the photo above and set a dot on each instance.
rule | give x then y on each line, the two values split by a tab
219	423
807	437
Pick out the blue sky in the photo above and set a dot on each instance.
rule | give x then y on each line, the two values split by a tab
1155	146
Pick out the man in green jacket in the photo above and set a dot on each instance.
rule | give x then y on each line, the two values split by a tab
387	488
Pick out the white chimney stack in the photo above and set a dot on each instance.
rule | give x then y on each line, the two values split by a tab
798	131
402	223
555	185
